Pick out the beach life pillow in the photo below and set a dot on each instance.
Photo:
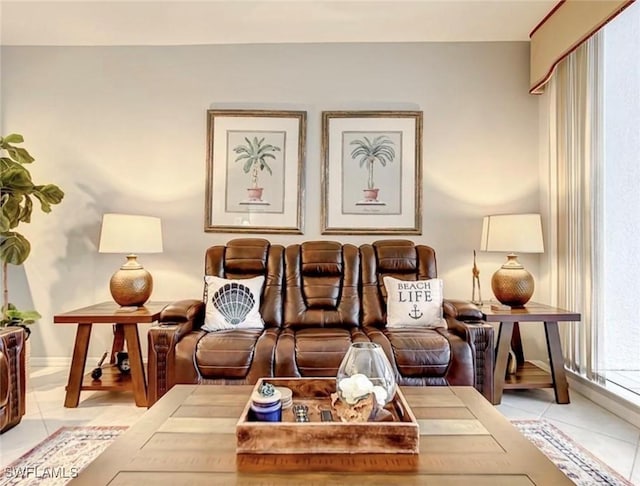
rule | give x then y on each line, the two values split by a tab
414	303
232	304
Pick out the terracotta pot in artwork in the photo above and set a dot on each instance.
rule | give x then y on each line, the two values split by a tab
370	195
255	193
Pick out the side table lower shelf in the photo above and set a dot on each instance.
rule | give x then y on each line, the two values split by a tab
528	375
112	380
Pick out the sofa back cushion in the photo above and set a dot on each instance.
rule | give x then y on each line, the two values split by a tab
401	259
252	257
321	285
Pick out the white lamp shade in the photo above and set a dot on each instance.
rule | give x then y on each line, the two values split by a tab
125	233
514	233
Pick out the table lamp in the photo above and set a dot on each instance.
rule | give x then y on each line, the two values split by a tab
129	234
512	284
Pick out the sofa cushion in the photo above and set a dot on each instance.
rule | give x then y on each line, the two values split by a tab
321	285
226	353
232	304
419	351
319	352
414	303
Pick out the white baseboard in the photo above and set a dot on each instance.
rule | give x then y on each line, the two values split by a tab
43	362
59	362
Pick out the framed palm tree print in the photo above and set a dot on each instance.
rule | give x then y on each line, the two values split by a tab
372	172
255	171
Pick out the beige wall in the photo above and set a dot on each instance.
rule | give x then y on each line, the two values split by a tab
124	130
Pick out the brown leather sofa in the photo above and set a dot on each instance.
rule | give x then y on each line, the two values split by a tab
12	377
318	298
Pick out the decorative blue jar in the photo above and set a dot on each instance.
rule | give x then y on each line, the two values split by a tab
266	404
267	413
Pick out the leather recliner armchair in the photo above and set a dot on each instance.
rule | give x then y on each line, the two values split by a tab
181	352
461	354
321	308
12	377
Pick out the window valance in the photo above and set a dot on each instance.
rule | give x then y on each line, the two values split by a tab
569	24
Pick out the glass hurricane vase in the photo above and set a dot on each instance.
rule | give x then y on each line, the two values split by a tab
366	359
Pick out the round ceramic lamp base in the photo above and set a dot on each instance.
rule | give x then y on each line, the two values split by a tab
131	287
512	284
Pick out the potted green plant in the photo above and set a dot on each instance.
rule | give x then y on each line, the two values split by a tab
16	204
379	149
254	155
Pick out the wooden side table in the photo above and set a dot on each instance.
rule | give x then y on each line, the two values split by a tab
527	374
125	322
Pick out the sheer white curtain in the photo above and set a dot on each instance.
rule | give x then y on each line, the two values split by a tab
575	209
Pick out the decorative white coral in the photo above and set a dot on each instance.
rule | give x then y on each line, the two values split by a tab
381	395
358	386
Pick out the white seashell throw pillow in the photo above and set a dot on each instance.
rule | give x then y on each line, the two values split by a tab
414	303
232	304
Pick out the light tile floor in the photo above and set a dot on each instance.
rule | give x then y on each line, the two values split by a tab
605	435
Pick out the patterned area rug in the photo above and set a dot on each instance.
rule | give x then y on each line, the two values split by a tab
575	462
61	456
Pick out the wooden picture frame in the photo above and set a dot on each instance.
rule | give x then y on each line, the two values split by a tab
255	171
372	172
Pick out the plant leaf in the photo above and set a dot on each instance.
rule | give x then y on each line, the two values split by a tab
6	163
5	223
11	209
27	317
19	155
27	209
16	179
14	248
11	138
50	192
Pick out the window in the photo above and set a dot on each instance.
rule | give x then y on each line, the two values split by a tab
619	361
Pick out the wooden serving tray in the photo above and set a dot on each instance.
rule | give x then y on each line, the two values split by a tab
399	436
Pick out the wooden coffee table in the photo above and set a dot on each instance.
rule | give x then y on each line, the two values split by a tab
188	437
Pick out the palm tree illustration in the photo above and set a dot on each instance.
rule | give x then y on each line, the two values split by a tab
254	155
368	151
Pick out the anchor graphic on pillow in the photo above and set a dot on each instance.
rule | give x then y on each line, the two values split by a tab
414	312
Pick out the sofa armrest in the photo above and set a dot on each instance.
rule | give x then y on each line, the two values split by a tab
176	321
188	310
461	310
479	335
12	377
